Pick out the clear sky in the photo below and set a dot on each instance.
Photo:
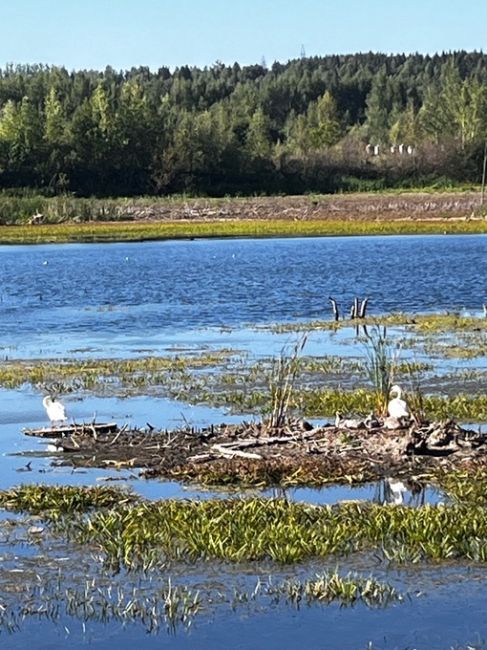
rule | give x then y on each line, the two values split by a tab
125	33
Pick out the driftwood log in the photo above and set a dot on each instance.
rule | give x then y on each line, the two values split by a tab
63	431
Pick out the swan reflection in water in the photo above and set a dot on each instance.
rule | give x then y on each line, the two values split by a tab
390	490
396	492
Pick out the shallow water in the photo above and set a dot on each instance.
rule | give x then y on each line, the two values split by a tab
448	614
122	300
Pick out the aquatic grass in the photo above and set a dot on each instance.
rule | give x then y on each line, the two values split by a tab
306	326
148	534
466	348
412	368
380	365
424	323
183	229
316	403
283	377
470	408
166	606
258	529
327	588
92	373
462	486
58	500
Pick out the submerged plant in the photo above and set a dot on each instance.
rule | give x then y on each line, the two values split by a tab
347	590
167	606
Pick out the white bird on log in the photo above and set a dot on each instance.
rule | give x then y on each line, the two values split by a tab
398	407
55	410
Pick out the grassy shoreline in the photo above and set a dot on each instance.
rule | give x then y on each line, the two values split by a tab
239	228
32	219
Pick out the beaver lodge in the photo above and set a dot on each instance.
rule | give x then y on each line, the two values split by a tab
256	454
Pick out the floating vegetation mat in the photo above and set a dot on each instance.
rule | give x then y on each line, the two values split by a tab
293	454
424	323
97	374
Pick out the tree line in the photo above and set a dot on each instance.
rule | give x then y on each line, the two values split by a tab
294	127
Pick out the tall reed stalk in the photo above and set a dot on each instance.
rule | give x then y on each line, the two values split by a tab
282	381
380	365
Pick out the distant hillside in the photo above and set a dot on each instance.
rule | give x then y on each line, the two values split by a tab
302	126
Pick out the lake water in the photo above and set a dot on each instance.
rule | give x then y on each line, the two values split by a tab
135	299
118	298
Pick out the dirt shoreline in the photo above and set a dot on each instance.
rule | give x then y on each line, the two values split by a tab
403	206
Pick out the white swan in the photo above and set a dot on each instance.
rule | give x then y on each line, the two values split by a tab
397	407
55	410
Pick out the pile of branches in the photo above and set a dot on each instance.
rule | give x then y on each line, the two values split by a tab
256	453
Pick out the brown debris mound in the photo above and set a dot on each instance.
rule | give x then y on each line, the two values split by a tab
415	205
254	453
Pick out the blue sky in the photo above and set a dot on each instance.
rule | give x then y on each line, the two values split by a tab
125	33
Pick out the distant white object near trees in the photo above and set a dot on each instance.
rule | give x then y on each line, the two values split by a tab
374	149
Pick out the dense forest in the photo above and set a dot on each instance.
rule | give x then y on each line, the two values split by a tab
302	126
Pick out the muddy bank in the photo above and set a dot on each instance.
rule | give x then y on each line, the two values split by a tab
255	454
336	206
